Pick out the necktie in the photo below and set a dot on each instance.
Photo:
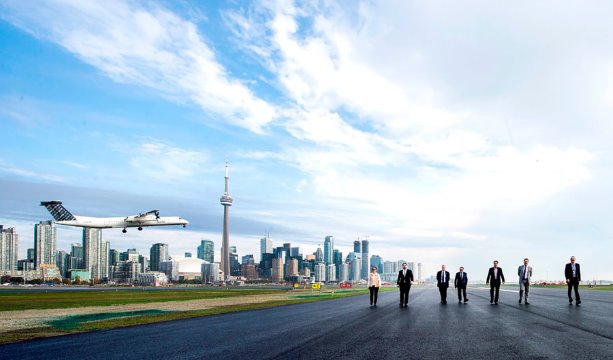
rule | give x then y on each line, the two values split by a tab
461	276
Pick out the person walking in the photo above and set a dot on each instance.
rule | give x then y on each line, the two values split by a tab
374	283
460	282
405	277
525	273
572	272
442	281
496	275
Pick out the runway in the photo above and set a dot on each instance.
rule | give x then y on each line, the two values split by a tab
348	328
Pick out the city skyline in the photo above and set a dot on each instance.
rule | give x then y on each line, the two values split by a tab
454	134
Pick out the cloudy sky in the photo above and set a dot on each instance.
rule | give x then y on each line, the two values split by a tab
446	132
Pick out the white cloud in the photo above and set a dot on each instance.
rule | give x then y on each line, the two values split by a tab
164	162
146	46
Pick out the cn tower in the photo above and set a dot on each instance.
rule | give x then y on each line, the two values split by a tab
226	202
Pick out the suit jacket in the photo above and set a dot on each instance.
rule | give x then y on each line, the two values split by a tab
460	280
490	274
405	279
568	271
520	272
439	276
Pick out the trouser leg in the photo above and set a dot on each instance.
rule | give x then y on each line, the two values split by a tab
497	293
464	292
491	291
401	295
527	287
460	293
570	289
576	286
376	292
372	291
406	295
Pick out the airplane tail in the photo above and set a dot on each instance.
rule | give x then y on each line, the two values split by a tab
58	212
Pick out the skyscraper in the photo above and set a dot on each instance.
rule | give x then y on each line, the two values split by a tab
92	251
328	250
105	249
265	246
226	202
157	254
375	260
206	251
365	260
9	242
320	272
45	238
319	255
76	256
356	247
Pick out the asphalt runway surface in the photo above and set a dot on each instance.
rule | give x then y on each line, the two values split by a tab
348	328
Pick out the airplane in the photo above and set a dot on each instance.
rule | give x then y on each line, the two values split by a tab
150	218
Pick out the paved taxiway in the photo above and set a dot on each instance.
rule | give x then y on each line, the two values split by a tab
548	328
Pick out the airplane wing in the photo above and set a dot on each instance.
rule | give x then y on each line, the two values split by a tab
151	212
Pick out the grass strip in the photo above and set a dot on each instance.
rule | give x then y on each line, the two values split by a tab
11	301
142	319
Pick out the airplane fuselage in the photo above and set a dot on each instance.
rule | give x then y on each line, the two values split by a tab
123	222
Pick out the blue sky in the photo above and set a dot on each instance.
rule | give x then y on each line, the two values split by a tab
447	133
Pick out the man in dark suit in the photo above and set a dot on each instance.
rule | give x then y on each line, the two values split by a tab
460	282
496	275
442	281
405	276
572	272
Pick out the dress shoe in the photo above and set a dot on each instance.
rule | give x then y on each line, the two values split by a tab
496	303
491	301
578	302
520	301
465	300
527	303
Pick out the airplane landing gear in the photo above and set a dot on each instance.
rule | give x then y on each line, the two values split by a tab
124	231
140	228
183	225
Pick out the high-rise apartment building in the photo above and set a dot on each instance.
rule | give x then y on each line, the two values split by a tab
9	242
206	251
95	254
45	239
277	270
291	267
331	273
157	254
320	272
328	250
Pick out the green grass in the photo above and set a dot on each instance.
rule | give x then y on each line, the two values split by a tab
104	321
10	301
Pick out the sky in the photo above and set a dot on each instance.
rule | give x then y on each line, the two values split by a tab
445	132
